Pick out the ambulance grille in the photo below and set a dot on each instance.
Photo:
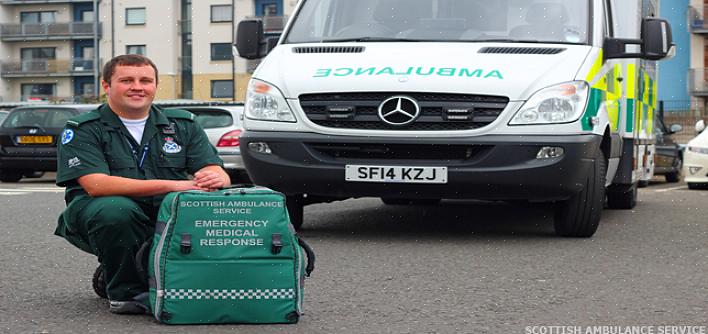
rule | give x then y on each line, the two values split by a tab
438	112
329	49
372	151
522	51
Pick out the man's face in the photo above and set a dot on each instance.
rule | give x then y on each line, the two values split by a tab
132	89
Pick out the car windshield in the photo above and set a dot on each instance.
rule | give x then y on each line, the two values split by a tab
45	118
533	21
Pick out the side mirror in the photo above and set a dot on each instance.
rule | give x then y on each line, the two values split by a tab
700	126
675	128
249	39
657	42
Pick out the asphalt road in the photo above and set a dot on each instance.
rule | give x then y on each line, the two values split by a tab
460	267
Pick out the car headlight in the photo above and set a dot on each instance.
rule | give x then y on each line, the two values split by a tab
265	102
700	150
562	103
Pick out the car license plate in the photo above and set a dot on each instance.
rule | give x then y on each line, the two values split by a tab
34	139
395	174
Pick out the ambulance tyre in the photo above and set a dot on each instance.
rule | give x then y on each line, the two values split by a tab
8	175
295	211
579	216
99	282
622	198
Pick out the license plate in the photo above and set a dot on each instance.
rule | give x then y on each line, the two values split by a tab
34	139
395	174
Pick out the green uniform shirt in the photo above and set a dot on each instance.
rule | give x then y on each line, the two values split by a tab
173	147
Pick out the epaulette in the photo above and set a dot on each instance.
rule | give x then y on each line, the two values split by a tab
178	113
83	118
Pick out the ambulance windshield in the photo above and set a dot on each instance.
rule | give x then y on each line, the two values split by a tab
542	21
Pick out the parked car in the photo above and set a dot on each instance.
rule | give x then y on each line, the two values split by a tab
3	114
28	139
695	166
223	125
668	160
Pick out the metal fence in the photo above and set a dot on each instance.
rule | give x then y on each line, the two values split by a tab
685	113
46	30
81	66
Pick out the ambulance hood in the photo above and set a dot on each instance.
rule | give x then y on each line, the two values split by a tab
463	68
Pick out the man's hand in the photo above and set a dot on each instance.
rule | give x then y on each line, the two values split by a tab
211	178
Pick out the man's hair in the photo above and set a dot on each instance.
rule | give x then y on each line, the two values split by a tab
126	60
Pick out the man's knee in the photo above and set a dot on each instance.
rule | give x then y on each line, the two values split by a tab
115	215
114	209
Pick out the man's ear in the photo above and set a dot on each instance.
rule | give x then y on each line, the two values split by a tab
105	86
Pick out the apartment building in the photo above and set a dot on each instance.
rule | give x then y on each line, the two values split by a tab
698	75
54	49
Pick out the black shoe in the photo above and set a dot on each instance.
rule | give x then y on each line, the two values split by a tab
139	305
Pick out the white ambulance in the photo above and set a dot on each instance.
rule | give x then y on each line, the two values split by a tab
414	101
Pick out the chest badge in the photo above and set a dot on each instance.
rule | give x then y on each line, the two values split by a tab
170	146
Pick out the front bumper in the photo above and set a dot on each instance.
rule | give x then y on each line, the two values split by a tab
46	164
698	163
232	160
493	167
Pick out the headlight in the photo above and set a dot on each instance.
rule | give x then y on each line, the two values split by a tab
265	102
563	103
700	150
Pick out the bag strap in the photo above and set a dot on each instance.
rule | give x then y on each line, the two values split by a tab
310	256
140	260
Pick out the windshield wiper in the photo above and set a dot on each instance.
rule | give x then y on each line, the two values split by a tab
370	39
507	40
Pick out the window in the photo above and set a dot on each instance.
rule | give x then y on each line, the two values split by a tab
35	59
87	88
221	51
222	89
37	53
221	13
87	16
135	49
38	17
31	92
134	16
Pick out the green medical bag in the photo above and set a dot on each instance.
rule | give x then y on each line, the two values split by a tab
228	256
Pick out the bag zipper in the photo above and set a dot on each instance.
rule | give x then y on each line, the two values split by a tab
156	260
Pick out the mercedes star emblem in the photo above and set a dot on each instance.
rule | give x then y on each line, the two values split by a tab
399	110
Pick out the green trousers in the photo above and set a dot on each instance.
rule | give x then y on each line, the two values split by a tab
112	228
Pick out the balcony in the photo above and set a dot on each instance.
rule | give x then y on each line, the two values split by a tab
696	19
272	24
47	31
47	68
698	82
31	2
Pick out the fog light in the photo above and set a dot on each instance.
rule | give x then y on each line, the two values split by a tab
694	170
548	152
259	147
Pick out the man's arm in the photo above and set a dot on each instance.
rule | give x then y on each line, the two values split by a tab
97	185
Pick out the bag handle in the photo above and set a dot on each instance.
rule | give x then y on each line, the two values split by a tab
310	256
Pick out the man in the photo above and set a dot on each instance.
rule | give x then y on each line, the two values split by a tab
117	162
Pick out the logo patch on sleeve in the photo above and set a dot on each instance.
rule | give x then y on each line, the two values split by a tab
67	136
73	162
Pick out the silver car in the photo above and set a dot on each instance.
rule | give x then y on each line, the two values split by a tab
223	125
